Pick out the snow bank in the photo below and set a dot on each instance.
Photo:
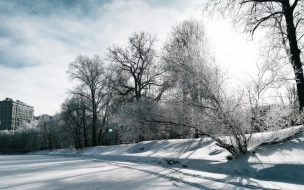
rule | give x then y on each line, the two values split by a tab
282	161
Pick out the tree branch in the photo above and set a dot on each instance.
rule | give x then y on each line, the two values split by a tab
260	21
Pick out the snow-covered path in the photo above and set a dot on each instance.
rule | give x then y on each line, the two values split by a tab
53	172
56	172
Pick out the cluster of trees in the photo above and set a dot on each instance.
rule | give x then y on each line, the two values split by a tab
25	137
142	93
43	133
177	92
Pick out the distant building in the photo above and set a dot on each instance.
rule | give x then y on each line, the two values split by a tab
14	113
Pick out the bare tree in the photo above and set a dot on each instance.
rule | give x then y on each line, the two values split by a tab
136	70
91	85
283	18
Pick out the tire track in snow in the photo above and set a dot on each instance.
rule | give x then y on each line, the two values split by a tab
168	177
176	179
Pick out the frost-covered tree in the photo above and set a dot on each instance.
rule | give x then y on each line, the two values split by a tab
183	55
198	89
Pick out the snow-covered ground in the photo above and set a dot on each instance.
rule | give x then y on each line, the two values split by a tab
166	164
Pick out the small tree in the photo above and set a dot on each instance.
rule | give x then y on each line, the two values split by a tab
259	87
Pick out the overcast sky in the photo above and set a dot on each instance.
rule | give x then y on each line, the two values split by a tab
39	38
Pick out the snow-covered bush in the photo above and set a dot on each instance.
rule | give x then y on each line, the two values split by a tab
133	121
279	117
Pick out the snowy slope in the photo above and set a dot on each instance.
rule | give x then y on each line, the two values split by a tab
275	166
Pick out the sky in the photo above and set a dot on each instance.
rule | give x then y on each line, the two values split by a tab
40	38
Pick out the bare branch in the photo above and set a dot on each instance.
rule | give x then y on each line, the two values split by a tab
260	21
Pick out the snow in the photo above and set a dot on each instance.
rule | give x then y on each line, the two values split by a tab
166	164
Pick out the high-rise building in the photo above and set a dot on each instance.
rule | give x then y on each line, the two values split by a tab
14	113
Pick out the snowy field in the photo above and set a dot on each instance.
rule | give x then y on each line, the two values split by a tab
53	172
167	164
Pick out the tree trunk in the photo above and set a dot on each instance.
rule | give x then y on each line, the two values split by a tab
86	143
94	106
94	142
99	137
50	145
102	126
294	52
79	137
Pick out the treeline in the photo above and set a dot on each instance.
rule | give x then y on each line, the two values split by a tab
138	92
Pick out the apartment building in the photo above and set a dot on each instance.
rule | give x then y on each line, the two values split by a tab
14	113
